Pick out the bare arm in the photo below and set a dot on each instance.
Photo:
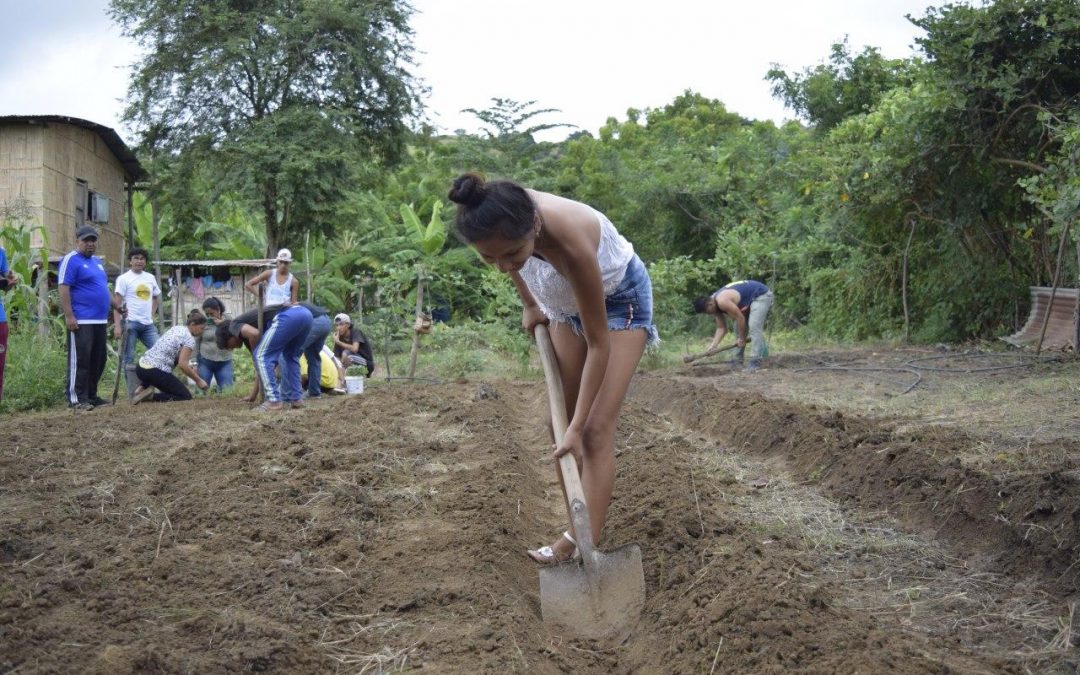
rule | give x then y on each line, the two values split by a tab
65	304
727	306
531	314
185	367
588	286
118	318
252	284
294	291
721	331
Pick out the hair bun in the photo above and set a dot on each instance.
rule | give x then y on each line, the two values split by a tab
468	189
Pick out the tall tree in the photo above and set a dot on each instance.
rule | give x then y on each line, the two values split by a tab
845	85
283	95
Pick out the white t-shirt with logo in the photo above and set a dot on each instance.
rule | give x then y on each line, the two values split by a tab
138	292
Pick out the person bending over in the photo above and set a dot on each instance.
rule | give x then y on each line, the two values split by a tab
172	349
747	303
573	269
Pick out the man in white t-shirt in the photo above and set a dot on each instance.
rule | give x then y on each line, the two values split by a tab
139	290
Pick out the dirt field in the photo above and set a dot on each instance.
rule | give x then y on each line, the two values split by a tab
803	519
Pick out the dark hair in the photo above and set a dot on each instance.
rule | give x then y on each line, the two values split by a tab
195	318
500	208
700	303
214	303
138	251
221	338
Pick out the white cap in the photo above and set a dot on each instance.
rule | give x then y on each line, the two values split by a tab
284	255
342	318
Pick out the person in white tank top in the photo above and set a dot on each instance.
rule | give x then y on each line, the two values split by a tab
282	288
573	270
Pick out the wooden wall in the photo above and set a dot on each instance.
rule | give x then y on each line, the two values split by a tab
44	161
21	165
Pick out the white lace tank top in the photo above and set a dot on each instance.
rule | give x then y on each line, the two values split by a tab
553	291
278	294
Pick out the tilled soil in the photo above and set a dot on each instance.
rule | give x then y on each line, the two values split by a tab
388	531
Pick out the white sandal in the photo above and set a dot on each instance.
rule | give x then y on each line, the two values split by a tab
545	555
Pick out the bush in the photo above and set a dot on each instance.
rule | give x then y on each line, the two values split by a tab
35	373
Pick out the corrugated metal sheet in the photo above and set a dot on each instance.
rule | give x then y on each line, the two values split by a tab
1061	331
217	263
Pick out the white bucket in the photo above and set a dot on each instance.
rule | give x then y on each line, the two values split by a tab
354	384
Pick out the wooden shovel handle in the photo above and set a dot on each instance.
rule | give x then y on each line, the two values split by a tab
712	352
576	505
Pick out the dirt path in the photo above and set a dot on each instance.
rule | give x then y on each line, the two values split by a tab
388	532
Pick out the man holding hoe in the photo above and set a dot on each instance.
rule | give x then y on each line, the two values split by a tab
747	303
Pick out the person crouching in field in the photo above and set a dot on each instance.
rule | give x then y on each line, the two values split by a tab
283	342
174	348
573	269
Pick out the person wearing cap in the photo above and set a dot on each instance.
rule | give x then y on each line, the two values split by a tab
351	346
282	288
86	301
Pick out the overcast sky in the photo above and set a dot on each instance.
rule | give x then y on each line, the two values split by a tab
591	59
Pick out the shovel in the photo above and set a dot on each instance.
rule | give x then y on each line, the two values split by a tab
600	597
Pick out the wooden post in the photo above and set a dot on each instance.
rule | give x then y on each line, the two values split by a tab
1076	310
416	333
243	290
43	294
157	258
262	385
178	302
307	263
1053	289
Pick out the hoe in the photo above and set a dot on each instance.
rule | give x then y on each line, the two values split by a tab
600	597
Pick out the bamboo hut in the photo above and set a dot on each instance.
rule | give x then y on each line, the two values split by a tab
71	172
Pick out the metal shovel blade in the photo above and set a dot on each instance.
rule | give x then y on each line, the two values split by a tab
600	601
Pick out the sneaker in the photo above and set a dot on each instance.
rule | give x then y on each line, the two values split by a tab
83	406
141	394
753	366
296	404
97	401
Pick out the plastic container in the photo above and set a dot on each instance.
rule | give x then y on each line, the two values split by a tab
354	384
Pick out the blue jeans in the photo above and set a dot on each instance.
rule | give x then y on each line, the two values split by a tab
221	371
320	329
145	333
630	305
283	342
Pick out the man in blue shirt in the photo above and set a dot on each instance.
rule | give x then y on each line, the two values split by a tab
86	301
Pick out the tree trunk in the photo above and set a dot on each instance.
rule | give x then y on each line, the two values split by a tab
416	333
270	219
904	282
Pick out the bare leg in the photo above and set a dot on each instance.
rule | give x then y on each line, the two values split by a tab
598	470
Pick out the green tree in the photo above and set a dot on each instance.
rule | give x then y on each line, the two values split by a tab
843	86
281	95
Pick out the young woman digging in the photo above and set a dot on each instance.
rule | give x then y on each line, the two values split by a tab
573	270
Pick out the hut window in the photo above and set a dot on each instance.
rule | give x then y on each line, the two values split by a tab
80	202
98	207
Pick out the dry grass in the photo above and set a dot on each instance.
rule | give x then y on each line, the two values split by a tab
898	577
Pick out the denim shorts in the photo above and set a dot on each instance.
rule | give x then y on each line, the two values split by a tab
629	306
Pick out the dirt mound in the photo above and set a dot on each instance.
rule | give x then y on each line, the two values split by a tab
388	531
1022	523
